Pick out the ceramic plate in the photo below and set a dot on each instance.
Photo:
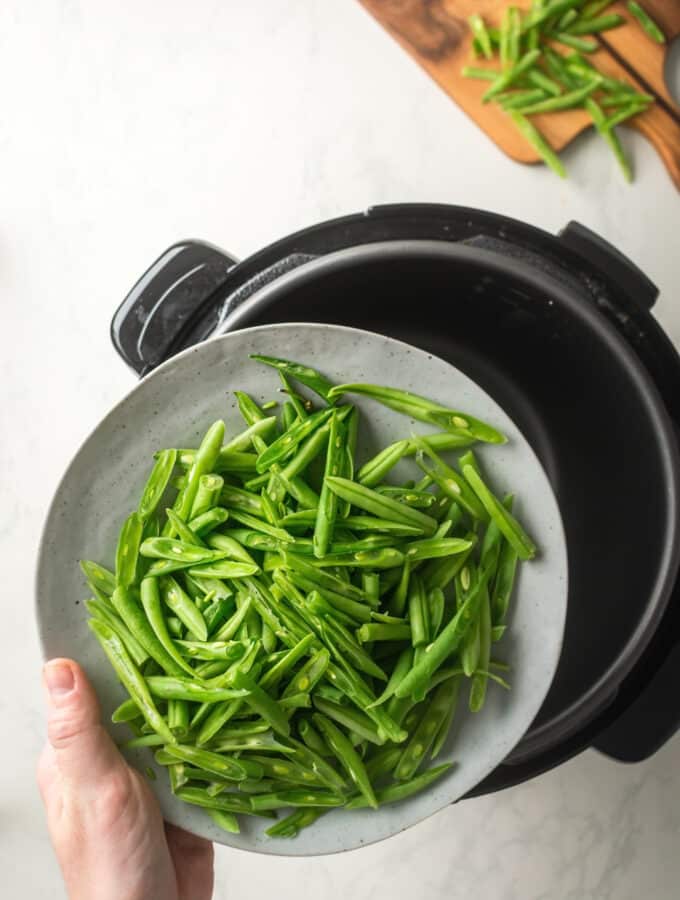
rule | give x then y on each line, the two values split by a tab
172	408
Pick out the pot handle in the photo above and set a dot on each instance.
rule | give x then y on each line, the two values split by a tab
630	279
650	719
163	305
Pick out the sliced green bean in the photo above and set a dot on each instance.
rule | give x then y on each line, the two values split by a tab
647	22
157	484
507	523
130	676
347	757
401	791
312	379
425	410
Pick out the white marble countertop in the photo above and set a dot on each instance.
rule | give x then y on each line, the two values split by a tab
126	127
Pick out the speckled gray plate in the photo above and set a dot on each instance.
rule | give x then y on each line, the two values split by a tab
171	408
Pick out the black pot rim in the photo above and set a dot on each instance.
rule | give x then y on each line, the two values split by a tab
583	710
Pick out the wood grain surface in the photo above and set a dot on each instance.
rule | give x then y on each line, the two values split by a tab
436	34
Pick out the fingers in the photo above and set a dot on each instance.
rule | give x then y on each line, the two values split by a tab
82	749
193	858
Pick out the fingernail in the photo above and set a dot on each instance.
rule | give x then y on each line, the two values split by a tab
59	679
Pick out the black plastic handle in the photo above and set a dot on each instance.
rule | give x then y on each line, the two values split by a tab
630	279
148	325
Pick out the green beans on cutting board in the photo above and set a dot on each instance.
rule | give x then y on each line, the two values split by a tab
532	71
298	639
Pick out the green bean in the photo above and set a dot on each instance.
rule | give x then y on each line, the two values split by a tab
296	701
514	35
323	609
228	767
346	756
177	688
470	649
208	650
401	791
533	136
248	408
151	603
130	676
227	821
451	483
376	504
400	596
424	735
310	674
260	743
243	441
425	411
215	717
232	803
409	496
383	632
233	462
583	45
480	678
352	719
146	740
402	666
434	548
238	498
178	717
229	628
506	522
435	602
328	501
610	137
326	581
223	568
446	643
550	10
273	676
504	42
647	22
128	711
290	826
347	651
304	374
503	82
479	74
280	534
205	523
203	462
133	616
595	25
504	581
175	551
280	799
157	483
105	613
207	494
520	100
478	29
312	739
176	599
540	80
418	612
564	101
447	720
98	578
127	552
262	704
290	440
370	585
298	489
231	544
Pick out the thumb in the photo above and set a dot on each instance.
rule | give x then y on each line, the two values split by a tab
83	750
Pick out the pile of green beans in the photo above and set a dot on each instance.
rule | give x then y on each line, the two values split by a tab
534	78
293	630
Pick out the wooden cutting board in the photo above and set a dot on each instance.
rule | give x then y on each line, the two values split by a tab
436	34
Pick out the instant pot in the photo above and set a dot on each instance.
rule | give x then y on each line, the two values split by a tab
559	330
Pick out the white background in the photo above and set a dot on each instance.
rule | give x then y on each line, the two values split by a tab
125	127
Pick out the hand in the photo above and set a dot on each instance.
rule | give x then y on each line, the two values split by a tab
105	823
